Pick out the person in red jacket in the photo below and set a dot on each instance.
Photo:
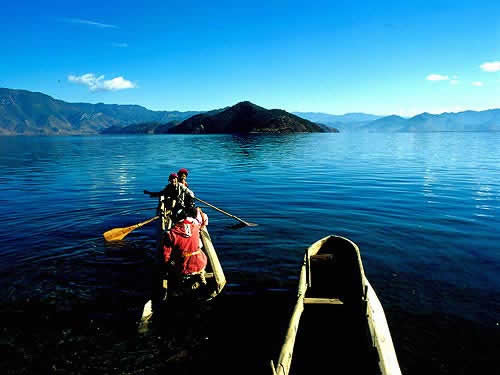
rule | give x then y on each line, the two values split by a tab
182	252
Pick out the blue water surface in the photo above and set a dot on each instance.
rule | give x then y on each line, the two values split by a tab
424	209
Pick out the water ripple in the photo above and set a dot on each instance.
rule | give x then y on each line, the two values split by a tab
425	206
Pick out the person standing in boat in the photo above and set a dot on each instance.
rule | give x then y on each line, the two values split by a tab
176	196
182	253
183	173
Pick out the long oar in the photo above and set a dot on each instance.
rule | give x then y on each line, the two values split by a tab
118	234
226	213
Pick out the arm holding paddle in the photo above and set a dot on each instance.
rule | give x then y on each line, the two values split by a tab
118	234
174	193
154	194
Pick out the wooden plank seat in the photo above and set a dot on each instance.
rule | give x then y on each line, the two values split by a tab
322	258
322	301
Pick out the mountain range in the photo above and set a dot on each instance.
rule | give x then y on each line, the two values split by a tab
471	121
32	113
25	112
325	118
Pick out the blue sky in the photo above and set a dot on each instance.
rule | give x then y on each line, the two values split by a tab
320	56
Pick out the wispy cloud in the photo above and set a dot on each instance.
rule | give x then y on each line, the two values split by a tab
120	45
493	66
98	83
477	83
91	23
437	77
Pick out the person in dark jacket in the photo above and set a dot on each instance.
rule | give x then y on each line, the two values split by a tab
176	196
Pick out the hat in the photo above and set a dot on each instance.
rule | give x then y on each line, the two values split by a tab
183	170
172	176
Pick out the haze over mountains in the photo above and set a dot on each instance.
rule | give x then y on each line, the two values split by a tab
24	112
468	121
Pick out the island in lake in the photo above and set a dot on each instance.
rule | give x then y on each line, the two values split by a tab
246	117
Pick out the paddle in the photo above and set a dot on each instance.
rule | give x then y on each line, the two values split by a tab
226	213
118	234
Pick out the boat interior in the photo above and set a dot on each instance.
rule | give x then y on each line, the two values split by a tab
333	332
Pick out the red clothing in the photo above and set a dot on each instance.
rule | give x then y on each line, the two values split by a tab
182	246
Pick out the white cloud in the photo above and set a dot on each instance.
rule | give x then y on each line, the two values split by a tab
120	45
493	66
91	23
98	83
436	77
118	83
477	83
88	79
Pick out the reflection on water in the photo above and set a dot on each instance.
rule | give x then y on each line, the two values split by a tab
424	209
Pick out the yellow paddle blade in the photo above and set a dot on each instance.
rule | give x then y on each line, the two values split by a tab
118	234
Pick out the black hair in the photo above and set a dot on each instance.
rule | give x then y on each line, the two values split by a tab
191	211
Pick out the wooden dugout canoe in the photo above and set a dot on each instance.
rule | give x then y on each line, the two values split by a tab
343	328
214	274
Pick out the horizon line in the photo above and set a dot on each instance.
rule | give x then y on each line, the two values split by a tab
289	111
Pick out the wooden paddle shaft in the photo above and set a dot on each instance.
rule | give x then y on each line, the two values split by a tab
145	222
224	212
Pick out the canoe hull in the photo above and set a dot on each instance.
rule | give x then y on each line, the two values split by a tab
339	315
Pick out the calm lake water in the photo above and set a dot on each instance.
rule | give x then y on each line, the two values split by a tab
423	208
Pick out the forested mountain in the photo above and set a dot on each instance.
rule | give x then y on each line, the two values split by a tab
246	117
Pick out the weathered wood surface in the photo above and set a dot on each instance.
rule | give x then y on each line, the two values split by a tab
379	335
323	301
322	258
286	354
213	259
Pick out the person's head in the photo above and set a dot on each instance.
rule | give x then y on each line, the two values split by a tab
172	179
191	211
182	173
188	201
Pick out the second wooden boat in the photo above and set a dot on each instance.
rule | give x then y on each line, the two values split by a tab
343	328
